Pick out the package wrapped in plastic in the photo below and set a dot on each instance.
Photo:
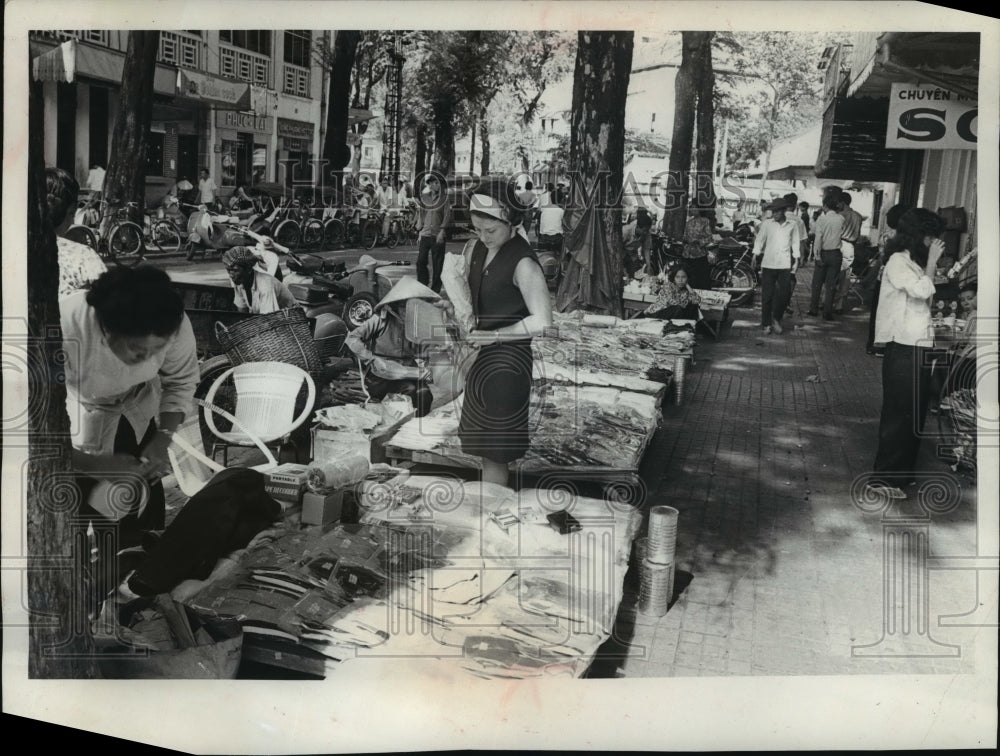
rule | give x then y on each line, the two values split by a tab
455	278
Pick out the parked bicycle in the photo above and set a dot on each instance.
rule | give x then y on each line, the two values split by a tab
116	238
733	269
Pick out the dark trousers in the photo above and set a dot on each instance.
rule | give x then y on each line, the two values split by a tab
825	274
699	272
775	293
905	394
872	313
126	532
432	252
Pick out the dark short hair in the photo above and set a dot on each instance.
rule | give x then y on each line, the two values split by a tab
138	301
504	190
792	199
970	286
845	198
61	193
893	215
672	273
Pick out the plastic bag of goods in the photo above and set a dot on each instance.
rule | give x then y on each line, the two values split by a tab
326	476
455	278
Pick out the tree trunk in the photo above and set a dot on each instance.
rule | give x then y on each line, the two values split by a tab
484	130
705	143
60	643
472	148
126	176
444	136
679	166
336	153
597	152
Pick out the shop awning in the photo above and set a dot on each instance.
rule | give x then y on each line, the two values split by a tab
944	59
229	94
358	115
852	142
72	60
58	64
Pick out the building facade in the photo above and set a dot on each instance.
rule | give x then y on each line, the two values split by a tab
248	105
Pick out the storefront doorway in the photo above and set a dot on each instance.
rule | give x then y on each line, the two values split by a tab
187	157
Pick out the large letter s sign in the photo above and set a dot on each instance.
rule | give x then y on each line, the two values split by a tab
966	125
922	129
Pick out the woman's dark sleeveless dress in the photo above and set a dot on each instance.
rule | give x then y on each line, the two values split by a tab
494	422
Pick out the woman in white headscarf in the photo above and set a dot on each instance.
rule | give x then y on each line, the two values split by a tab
510	302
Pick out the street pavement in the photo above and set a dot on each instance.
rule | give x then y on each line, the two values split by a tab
779	572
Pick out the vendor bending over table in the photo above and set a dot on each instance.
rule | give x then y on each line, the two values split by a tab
391	358
255	290
131	372
511	304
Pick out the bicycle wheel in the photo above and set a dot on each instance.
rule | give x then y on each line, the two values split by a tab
125	244
287	233
312	233
82	235
333	232
165	235
369	234
392	238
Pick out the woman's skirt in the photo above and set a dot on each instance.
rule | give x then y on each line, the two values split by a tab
494	422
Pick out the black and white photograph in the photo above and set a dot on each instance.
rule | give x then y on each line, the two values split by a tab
501	375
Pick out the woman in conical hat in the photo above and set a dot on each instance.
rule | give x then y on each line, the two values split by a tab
389	358
511	304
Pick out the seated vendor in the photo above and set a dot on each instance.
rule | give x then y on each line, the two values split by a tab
389	357
255	291
676	300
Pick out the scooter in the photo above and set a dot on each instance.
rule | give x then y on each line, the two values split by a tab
209	231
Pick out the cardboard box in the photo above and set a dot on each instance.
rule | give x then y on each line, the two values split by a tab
320	509
287	482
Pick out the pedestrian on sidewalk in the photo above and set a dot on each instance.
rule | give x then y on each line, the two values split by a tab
852	233
777	244
892	221
792	200
435	218
903	323
697	238
826	273
207	189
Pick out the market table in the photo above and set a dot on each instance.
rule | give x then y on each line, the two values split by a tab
439	577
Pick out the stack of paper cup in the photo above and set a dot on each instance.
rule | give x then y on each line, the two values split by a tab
656	561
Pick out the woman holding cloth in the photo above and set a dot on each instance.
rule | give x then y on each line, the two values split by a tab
131	372
511	305
903	324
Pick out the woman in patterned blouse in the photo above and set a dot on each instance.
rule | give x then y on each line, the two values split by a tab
676	299
78	263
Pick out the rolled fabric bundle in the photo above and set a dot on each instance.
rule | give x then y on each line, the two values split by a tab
324	477
455	277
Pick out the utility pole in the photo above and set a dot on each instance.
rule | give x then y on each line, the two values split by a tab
393	108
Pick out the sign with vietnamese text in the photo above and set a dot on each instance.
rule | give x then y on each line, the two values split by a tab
925	117
232	119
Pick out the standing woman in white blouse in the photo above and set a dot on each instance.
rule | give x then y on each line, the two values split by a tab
903	324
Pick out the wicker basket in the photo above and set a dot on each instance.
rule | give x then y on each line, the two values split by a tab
281	336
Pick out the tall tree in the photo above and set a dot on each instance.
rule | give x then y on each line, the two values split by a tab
783	65
705	134
125	180
593	279
60	643
336	153
689	90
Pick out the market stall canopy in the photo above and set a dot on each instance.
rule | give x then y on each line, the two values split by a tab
358	115
230	94
58	64
852	143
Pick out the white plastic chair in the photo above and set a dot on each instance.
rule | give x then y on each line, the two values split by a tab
265	404
192	468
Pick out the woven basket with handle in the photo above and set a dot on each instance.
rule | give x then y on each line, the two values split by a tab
281	336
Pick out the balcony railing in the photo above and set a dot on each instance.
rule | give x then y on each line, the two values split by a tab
296	80
180	49
96	36
250	67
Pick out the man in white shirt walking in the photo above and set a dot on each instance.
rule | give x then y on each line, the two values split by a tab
206	188
778	245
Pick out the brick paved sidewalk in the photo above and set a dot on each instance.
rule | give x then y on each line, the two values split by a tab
786	573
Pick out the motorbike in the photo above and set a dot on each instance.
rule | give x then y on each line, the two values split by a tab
548	252
210	231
